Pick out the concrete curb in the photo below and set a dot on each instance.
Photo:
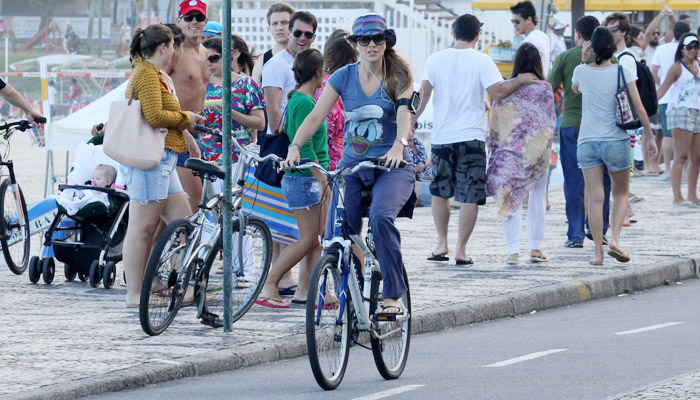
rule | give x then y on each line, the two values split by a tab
480	310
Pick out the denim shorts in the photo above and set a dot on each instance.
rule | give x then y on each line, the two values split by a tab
301	192
182	157
615	155
152	184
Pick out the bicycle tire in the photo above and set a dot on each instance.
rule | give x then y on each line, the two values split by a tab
257	249
390	354
159	304
16	254
328	342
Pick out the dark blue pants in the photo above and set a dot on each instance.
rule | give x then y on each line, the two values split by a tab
574	186
390	191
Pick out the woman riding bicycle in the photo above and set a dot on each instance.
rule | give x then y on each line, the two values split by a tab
376	92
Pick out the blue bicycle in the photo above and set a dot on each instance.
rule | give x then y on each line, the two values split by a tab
344	294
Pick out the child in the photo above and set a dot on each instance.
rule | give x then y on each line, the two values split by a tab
75	199
103	176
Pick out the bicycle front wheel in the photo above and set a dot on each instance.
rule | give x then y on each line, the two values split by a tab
390	340
327	333
248	278
163	290
14	238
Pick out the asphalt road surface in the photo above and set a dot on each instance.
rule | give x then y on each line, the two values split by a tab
639	346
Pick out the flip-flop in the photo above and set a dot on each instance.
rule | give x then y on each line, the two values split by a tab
288	291
272	303
438	257
539	259
618	255
464	262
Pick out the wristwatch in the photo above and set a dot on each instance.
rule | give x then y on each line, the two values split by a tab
403	141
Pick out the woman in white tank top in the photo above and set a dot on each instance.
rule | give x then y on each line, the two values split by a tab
683	80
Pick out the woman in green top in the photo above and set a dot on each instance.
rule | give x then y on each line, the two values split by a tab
306	192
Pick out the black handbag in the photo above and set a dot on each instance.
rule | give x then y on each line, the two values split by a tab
275	143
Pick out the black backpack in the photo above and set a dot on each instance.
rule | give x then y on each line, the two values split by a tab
645	85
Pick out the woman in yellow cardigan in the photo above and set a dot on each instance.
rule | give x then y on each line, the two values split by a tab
155	193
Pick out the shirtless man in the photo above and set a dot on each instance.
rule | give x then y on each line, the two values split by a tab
278	16
190	76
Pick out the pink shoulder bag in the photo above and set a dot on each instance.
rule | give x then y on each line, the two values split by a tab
129	139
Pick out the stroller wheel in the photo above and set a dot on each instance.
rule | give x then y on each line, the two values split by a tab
109	274
48	269
95	274
34	269
69	273
82	277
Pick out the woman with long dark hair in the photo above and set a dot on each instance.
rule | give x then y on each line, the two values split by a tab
521	127
305	191
376	92
601	143
683	79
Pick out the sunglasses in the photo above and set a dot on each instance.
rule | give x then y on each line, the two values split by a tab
693	47
656	33
377	39
214	58
515	21
190	17
614	28
297	33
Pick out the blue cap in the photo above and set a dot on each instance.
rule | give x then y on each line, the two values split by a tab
213	29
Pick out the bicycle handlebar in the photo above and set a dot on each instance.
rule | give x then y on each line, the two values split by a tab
374	163
270	157
22	125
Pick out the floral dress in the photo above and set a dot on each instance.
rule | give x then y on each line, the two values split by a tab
336	128
246	96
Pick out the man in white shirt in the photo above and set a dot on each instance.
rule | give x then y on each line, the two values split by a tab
619	24
556	39
277	76
525	22
458	152
278	16
664	57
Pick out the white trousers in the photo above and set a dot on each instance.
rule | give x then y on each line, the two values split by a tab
536	210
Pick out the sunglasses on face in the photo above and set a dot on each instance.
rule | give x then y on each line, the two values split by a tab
198	17
693	47
297	33
515	21
377	39
214	58
656	33
614	28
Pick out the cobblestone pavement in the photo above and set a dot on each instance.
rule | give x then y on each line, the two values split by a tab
67	331
684	387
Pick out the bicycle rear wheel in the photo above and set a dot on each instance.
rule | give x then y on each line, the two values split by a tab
14	238
327	334
163	290
257	254
390	340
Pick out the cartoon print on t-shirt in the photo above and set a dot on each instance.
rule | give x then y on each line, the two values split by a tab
363	128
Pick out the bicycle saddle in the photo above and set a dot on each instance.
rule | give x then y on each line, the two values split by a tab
205	167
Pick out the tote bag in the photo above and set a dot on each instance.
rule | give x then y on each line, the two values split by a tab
129	139
625	115
274	143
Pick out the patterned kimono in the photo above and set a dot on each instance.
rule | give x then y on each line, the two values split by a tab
521	127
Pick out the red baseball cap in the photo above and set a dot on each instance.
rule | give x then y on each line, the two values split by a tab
188	6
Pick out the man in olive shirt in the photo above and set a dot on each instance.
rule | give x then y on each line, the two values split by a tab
561	73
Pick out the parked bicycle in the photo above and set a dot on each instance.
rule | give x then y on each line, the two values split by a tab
345	294
14	221
179	269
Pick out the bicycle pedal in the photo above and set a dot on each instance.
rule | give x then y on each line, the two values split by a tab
384	317
212	320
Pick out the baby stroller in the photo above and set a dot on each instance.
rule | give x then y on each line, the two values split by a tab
89	242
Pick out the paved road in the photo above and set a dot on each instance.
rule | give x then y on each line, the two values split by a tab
614	348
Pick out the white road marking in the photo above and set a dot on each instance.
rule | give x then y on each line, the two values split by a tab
526	357
648	328
390	392
160	360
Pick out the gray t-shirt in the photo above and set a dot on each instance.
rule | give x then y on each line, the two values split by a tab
598	87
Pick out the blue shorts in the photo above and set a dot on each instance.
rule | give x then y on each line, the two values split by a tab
182	157
615	155
301	192
152	184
